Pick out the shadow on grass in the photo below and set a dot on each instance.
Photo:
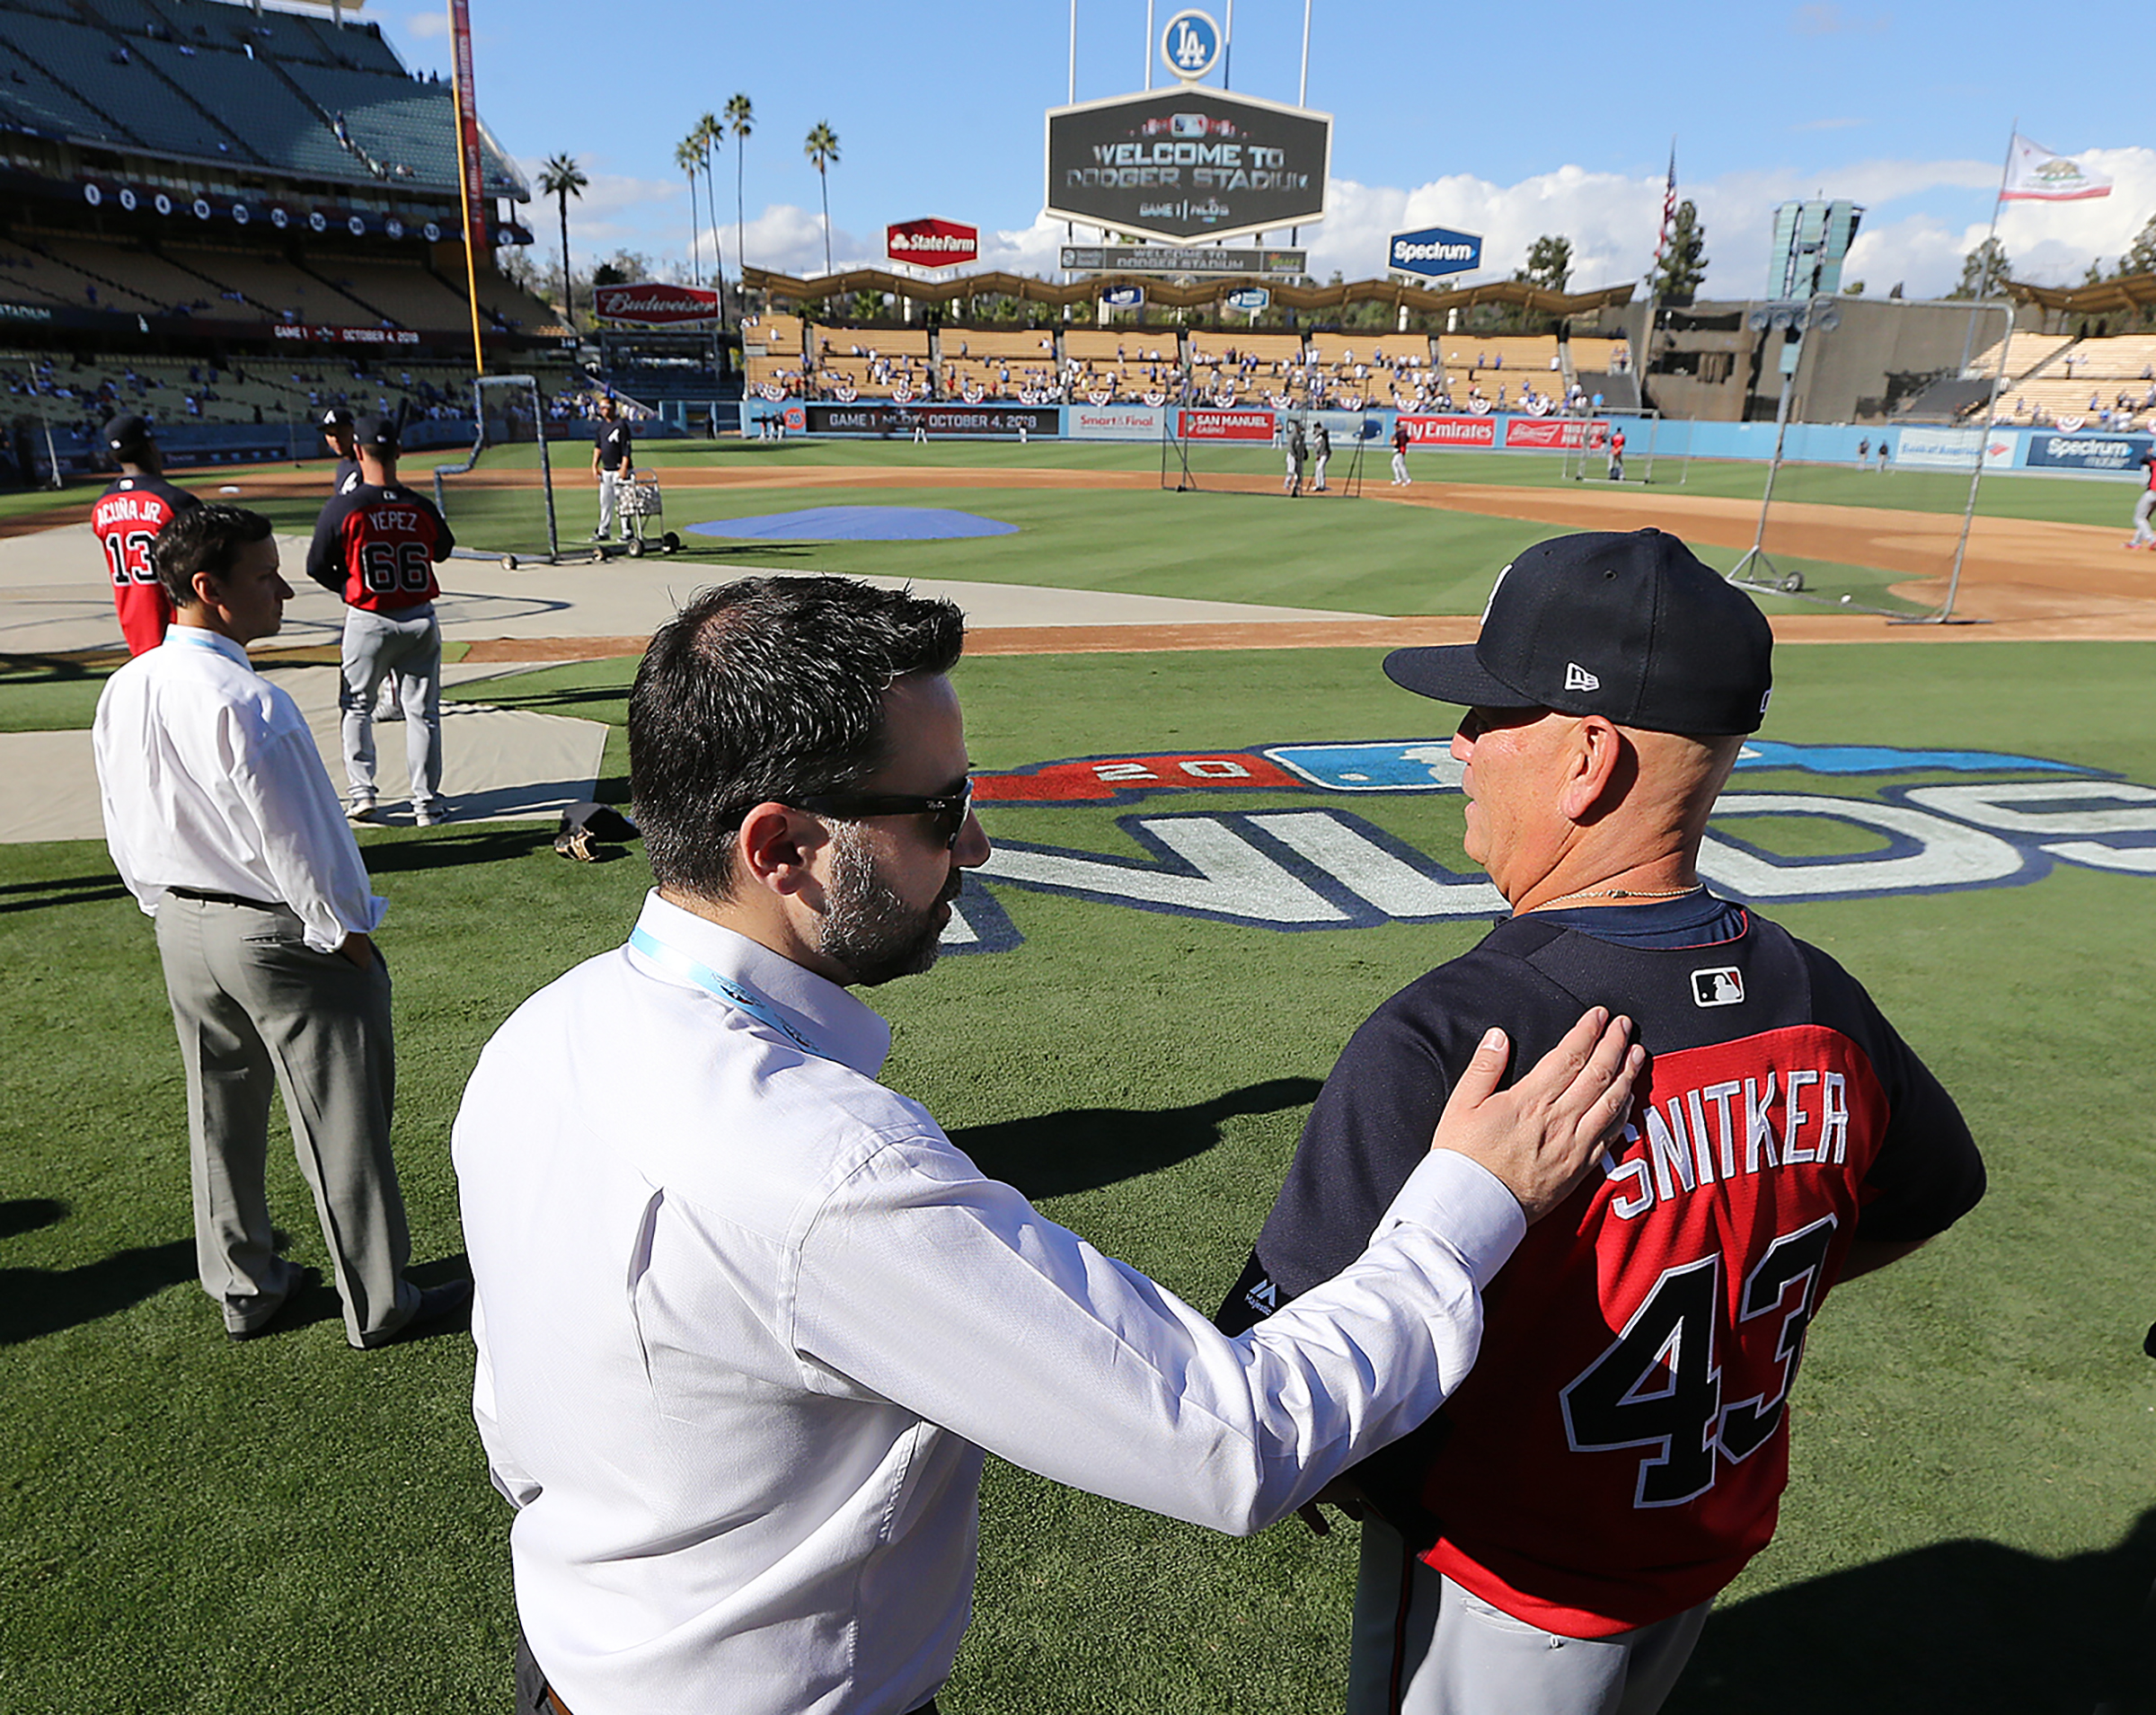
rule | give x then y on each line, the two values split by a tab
455	851
1083	1149
1973	1627
70	890
36	1302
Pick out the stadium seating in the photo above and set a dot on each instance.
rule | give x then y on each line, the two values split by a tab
2025	352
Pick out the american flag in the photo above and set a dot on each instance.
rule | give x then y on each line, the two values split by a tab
1669	205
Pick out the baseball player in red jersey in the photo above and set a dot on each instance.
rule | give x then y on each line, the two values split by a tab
1554	1539
376	547
126	518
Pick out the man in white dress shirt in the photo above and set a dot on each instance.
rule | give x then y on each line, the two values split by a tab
224	825
746	1320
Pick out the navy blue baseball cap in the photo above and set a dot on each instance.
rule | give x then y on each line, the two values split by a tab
378	432
1632	627
337	417
127	434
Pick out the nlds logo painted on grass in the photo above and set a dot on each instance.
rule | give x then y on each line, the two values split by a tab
1304	860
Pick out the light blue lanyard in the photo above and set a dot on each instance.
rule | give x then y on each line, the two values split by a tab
734	994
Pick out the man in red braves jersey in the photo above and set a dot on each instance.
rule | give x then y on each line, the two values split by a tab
377	547
126	518
1554	1539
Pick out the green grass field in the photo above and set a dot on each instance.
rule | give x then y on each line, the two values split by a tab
188	1526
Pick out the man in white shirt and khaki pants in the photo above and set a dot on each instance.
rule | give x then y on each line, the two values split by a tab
224	825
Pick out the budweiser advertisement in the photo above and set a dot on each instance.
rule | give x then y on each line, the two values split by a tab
654	303
931	244
1450	431
1556	433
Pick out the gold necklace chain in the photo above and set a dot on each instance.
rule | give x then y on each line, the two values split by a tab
1623	893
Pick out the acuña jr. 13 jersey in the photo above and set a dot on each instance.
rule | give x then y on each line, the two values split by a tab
126	518
1620	1448
376	547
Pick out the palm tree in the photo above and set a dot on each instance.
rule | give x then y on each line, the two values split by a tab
561	178
687	156
709	134
822	150
741	117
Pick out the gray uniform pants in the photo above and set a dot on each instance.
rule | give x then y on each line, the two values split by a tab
256	1008
405	646
1424	1646
609	481
2143	535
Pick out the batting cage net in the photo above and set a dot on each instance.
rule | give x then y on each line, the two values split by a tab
1251	448
1616	445
500	500
1901	498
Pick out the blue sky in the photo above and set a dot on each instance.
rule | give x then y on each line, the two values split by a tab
1505	122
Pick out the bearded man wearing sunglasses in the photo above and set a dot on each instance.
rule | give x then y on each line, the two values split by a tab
747	1323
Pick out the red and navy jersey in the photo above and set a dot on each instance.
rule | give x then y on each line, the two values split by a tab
1619	1451
377	548
126	518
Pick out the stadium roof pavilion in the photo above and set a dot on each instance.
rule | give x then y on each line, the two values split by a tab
2133	292
785	288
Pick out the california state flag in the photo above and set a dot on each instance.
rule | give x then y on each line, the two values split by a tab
2035	174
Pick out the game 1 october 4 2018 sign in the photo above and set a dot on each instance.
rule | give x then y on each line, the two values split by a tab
1190	163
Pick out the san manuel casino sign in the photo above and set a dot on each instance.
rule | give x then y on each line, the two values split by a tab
1181	164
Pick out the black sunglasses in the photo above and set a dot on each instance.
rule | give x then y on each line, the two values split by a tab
949	809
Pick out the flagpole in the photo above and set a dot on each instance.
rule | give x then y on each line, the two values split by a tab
2006	171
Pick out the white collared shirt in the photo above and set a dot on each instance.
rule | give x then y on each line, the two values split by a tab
209	779
746	1320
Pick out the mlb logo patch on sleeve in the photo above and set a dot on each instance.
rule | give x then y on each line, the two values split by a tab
1724	985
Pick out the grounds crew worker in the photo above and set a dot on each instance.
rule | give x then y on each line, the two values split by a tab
1553	1540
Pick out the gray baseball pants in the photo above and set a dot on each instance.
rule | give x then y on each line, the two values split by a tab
258	1009
1424	1646
2144	536
405	645
609	481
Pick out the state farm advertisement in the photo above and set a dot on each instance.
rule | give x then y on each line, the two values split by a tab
931	244
1224	425
655	303
1555	434
1451	431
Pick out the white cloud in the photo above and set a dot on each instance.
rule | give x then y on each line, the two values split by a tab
427	25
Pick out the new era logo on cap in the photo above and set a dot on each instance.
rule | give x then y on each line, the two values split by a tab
1577	678
1724	985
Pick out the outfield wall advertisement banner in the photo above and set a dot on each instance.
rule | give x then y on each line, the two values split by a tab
1554	434
1183	164
1114	422
1224	425
1451	431
2084	452
882	418
1952	450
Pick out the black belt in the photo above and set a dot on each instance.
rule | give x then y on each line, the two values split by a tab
225	899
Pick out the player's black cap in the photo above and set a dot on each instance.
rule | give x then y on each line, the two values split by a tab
127	434
337	417
378	432
1630	627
